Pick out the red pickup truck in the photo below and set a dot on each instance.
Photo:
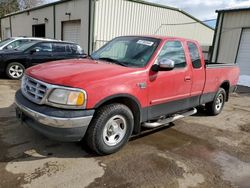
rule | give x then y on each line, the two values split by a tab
130	83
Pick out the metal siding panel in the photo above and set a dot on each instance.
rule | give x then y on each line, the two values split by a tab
243	54
230	36
131	18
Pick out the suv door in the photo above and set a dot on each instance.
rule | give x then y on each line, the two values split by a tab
169	90
41	53
61	51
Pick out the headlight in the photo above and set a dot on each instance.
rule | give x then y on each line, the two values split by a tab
67	97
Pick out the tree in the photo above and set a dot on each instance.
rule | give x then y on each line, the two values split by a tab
8	6
25	4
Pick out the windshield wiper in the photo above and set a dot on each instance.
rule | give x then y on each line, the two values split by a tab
112	61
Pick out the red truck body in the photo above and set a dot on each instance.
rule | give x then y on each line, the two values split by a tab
152	93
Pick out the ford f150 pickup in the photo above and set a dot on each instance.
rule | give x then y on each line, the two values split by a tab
130	83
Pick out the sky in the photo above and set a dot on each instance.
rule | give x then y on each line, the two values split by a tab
203	9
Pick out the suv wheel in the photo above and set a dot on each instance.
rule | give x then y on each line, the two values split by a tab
15	70
110	129
215	108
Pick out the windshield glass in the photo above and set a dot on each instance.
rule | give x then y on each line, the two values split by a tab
6	41
128	51
25	46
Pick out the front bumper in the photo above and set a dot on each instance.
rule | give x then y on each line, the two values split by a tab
57	124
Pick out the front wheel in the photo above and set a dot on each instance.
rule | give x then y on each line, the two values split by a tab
110	129
15	71
215	108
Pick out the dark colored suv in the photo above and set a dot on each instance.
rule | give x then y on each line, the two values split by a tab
14	62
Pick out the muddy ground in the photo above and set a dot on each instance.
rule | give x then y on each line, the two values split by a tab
199	151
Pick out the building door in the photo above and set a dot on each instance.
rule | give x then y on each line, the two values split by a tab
38	30
7	33
71	31
243	56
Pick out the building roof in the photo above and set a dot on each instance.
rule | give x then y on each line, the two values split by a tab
234	9
136	1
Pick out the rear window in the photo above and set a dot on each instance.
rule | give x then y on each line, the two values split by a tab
74	49
195	55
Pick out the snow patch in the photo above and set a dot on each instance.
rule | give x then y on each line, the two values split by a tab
244	80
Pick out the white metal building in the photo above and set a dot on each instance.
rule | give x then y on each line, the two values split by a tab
92	23
232	38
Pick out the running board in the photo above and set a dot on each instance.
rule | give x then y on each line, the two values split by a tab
169	120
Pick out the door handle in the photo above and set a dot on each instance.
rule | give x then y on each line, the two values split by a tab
188	78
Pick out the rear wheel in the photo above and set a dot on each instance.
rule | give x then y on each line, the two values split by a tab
15	70
110	129
216	107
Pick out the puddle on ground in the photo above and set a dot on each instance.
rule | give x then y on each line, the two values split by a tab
234	170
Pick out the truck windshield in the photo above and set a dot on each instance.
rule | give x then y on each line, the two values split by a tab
128	51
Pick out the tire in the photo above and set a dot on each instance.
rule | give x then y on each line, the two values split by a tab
215	108
110	129
15	70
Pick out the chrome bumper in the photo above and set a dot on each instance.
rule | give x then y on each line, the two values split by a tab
55	122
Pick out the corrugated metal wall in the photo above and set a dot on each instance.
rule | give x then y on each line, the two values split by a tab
122	17
228	35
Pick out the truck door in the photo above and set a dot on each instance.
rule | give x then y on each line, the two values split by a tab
169	90
198	70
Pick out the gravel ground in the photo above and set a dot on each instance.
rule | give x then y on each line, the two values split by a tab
199	151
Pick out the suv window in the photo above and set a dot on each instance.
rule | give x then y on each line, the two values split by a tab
174	51
74	49
43	47
195	55
59	48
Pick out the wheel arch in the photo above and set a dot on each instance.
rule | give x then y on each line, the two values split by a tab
131	102
226	86
14	61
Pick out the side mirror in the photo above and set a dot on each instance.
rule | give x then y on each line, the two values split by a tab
166	64
34	51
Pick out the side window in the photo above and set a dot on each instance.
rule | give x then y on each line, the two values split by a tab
74	49
174	51
43	47
59	48
195	55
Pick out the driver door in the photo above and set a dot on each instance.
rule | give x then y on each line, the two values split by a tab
169	90
41	53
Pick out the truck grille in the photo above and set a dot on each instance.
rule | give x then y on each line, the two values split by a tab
33	89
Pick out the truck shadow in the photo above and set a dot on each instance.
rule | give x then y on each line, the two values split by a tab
20	143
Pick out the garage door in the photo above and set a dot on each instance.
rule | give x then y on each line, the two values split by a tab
243	58
72	31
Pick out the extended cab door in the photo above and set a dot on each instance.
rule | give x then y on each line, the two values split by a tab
198	70
169	90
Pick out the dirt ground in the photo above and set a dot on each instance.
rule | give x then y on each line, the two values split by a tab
199	151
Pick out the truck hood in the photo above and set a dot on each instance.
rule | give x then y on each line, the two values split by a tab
77	72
